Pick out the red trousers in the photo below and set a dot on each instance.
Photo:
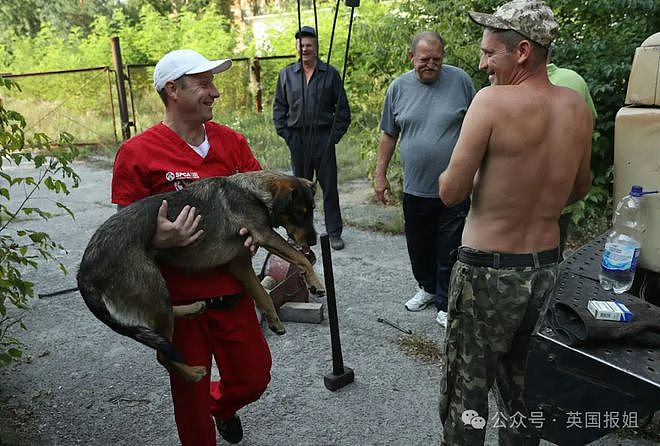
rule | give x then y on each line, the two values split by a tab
234	338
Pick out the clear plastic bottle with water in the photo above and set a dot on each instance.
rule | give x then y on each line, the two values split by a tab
623	243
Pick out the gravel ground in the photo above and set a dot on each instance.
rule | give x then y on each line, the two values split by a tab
81	383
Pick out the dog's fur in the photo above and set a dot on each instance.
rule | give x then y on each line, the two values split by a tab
121	283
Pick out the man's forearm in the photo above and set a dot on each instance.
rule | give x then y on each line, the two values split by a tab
452	190
385	151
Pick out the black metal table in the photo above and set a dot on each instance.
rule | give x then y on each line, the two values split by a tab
579	394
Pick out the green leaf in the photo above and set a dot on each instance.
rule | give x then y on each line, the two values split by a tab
5	359
38	237
65	208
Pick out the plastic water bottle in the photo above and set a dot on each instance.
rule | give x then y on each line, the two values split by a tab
623	243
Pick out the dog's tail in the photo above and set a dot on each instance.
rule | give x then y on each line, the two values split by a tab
156	341
140	333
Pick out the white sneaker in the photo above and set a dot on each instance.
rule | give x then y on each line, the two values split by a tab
441	318
420	300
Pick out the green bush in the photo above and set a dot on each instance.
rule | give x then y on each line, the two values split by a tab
22	248
271	150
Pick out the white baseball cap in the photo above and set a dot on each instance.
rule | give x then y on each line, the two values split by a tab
176	63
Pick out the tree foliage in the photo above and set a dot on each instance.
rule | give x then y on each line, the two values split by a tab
166	7
26	17
22	248
144	42
598	40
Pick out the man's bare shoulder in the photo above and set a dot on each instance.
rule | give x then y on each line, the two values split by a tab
573	104
493	103
495	96
484	100
569	96
487	94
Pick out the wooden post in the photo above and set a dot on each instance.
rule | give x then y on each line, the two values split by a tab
256	73
121	90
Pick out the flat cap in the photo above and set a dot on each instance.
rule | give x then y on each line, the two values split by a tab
305	31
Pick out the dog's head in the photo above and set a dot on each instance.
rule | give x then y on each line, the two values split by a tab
293	208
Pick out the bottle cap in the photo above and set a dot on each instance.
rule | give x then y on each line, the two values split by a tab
638	191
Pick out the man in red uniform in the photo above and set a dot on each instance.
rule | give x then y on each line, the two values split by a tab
184	147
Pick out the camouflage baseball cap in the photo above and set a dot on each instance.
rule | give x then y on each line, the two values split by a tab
531	18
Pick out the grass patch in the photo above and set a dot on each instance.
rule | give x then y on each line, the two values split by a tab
424	349
375	217
271	150
350	164
93	125
273	153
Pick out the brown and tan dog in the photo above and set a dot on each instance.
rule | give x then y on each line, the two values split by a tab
119	277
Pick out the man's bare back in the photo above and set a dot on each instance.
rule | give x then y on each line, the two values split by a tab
538	151
529	144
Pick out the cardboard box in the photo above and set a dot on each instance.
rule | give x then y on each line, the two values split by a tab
644	81
636	161
609	311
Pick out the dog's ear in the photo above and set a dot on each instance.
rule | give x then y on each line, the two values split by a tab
310	184
282	198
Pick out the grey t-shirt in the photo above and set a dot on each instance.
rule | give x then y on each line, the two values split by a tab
427	119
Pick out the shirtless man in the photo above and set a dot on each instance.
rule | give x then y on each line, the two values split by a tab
524	150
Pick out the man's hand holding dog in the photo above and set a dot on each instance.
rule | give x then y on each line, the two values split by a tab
180	232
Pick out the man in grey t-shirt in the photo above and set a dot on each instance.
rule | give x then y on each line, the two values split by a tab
424	110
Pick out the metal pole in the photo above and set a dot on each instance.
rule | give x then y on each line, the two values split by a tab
121	91
130	93
340	376
112	106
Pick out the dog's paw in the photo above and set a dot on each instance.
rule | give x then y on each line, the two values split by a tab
190	310
198	308
277	327
195	373
314	284
320	292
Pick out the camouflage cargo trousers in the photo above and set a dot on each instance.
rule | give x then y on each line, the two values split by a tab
492	313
